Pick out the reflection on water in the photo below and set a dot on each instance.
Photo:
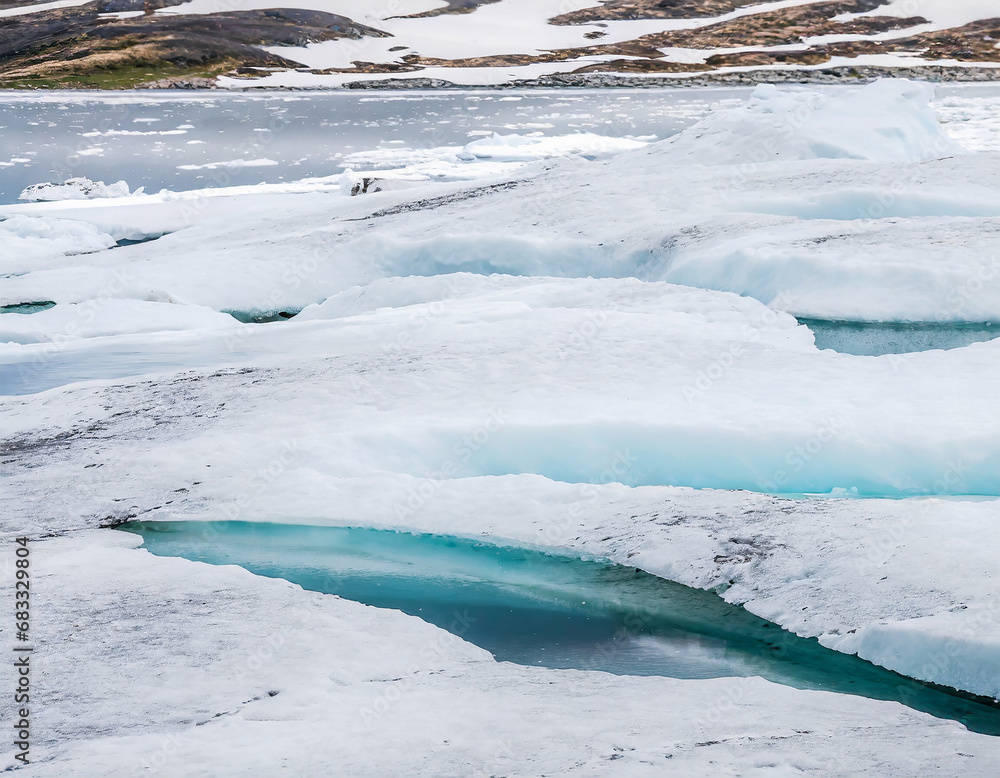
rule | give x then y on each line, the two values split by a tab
537	608
874	339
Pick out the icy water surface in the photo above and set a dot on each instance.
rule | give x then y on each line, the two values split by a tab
24	308
189	141
873	339
548	609
183	142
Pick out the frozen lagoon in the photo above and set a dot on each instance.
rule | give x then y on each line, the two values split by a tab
533	358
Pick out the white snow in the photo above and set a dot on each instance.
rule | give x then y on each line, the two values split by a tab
110	316
34	237
29	8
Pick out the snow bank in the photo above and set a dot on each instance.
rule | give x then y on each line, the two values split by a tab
928	268
76	189
36	237
959	648
108	317
888	121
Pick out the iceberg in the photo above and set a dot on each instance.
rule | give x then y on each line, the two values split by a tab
890	120
76	189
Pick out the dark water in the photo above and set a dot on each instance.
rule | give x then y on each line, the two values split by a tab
874	339
153	140
23	308
552	610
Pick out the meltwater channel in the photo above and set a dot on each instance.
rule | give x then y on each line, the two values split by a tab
550	609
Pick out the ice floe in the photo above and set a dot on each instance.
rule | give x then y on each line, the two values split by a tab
76	189
598	355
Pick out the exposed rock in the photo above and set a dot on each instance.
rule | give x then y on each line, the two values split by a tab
453	7
365	185
650	9
78	46
182	83
773	28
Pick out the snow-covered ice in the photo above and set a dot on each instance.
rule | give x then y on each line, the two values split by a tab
595	354
31	237
890	121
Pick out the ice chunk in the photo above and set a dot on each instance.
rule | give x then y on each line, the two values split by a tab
888	121
76	189
96	318
524	148
353	184
32	237
929	648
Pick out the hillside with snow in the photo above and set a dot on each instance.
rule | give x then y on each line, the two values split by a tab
331	43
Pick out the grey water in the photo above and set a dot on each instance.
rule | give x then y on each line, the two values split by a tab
875	339
549	609
170	140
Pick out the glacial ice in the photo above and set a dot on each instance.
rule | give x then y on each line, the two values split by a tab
888	121
593	355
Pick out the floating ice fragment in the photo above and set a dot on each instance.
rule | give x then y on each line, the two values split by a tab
76	189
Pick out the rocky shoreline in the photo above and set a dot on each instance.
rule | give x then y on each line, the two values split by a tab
837	75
